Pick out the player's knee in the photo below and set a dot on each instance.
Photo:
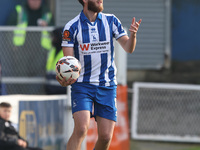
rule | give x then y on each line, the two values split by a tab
105	138
81	131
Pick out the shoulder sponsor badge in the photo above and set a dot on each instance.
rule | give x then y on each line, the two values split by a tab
66	35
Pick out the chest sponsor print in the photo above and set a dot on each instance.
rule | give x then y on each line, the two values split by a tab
94	48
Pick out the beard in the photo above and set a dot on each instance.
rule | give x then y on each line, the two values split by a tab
93	7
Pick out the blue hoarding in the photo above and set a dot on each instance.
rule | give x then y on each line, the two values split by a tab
185	30
42	123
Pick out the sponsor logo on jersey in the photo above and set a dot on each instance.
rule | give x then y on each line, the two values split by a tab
84	47
89	48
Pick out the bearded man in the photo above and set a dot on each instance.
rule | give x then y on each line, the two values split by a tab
89	38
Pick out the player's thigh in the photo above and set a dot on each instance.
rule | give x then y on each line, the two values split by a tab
81	97
105	103
81	120
105	127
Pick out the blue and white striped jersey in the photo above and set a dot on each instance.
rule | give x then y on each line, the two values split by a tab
93	46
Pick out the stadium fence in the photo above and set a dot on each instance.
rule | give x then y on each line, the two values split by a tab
165	112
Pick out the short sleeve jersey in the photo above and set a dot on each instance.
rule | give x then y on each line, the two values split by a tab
93	46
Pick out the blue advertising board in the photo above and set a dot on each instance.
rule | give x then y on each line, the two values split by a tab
41	123
185	30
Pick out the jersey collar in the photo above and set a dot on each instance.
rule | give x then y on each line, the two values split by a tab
84	18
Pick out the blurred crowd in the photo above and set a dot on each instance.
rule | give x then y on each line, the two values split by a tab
31	13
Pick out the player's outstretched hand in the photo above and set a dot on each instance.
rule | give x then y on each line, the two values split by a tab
135	26
63	82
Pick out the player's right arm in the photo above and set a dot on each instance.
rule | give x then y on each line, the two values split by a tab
67	51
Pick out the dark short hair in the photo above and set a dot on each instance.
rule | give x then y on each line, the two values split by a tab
81	1
5	104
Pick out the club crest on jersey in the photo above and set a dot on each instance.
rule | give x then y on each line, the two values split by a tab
93	30
94	39
93	34
66	35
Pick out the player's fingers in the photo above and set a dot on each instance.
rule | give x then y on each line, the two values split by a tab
70	81
66	83
137	24
133	27
140	21
134	31
73	81
62	82
58	79
133	21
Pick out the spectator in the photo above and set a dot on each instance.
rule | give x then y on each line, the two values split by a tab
32	13
52	86
9	137
29	46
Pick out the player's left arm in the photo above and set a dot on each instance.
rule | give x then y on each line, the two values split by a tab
129	43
